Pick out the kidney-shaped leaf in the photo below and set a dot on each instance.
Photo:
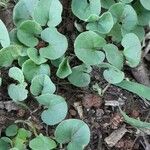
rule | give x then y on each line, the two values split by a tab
16	74
30	69
74	132
17	92
4	36
56	108
80	76
146	4
64	69
57	44
83	9
42	84
23	10
48	12
132	49
42	143
27	32
103	25
87	48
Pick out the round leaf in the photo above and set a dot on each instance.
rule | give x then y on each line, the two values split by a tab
74	132
42	84
64	69
4	36
35	57
103	25
16	74
132	49
11	130
30	69
83	9
17	92
42	143
146	4
57	108
27	33
48	12
57	44
87	48
4	145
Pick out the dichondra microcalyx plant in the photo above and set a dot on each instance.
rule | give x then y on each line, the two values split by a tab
36	45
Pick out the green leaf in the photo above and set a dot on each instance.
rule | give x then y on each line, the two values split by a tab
87	48
28	32
17	92
74	132
35	56
74	146
84	9
48	12
146	4
21	60
56	108
112	52
57	44
23	11
134	122
136	88
126	1
16	74
4	36
42	84
107	3
132	49
80	76
64	69
57	62
42	143
4	145
8	55
30	69
11	130
103	25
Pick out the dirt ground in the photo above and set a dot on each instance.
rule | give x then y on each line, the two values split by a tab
100	113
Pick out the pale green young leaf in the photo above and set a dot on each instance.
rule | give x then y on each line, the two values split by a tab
132	49
56	108
84	9
28	32
146	4
74	132
57	44
4	36
103	25
87	48
42	84
64	69
30	69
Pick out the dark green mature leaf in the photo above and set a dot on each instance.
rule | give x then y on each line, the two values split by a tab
103	25
30	69
64	69
84	9
73	131
16	74
57	44
27	33
135	122
17	92
80	76
35	56
11	130
87	48
136	88
146	4
57	108
23	10
4	145
132	49
8	55
42	84
4	36
114	56
48	12
42	143
107	3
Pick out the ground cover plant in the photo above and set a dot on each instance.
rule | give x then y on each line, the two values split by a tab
110	35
